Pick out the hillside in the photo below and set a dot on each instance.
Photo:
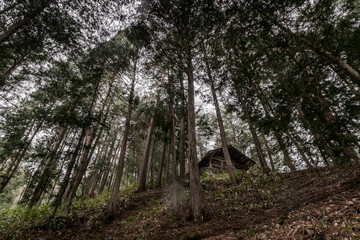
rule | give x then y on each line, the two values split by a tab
301	205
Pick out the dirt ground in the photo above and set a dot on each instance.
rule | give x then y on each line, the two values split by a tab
302	205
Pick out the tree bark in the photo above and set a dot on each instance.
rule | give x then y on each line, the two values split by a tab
269	152
89	136
57	202
229	165
306	160
48	170
106	171
111	207
317	136
287	159
173	129
145	158
259	151
162	164
193	162
17	160
182	131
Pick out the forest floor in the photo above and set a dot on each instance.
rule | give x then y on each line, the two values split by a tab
302	205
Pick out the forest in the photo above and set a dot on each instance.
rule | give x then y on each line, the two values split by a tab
107	107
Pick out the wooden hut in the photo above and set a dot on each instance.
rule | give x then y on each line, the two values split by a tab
214	159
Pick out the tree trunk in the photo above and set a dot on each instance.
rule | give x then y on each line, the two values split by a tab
229	165
17	160
287	159
89	136
56	203
162	164
167	169
145	158
347	151
173	129
269	152
106	171
306	160
111	207
317	136
182	131
48	170
259	151
193	163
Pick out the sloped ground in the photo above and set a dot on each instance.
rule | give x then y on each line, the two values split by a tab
301	205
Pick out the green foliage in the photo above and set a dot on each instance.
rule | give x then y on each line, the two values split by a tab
16	218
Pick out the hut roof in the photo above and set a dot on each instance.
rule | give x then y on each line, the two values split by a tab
239	159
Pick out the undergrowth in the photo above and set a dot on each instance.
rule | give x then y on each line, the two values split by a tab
18	217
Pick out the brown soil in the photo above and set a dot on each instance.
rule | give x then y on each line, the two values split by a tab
300	205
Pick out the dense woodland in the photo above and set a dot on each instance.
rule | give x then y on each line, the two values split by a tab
100	95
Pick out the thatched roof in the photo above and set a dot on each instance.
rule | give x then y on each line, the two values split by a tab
239	160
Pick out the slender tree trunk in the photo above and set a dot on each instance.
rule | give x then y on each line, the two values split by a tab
145	159
317	136
107	168
89	136
173	129
12	68
287	159
17	160
48	170
111	207
347	151
193	162
297	145
97	171
162	164
22	22
113	165
57	201
150	167
59	173
182	131
167	169
259	151
269	153
229	165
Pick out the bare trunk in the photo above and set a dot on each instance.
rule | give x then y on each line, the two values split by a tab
287	159
306	160
173	135
259	151
317	136
89	136
269	153
111	207
193	163
347	151
229	165
162	163
182	131
48	170
167	173
106	171
57	202
17	160
145	158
